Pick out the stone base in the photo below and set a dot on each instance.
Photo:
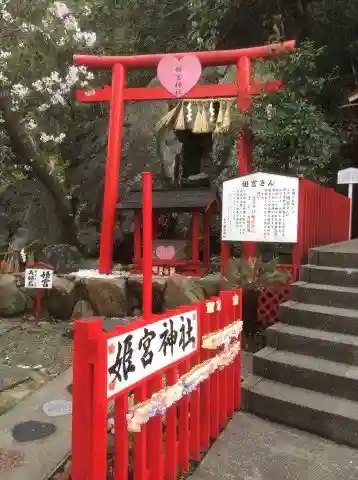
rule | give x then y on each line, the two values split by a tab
86	293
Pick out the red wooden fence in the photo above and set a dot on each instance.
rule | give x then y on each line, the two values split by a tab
323	218
168	442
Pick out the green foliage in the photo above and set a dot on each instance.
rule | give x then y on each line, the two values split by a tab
205	17
292	132
255	275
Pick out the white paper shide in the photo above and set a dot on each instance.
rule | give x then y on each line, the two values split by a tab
38	278
139	353
260	207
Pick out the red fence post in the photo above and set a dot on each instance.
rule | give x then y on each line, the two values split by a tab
244	144
214	382
89	403
171	457
238	361
205	387
147	245
121	444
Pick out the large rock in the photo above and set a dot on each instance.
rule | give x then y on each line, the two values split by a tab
63	258
182	291
232	273
142	148
82	309
108	297
135	291
13	300
61	299
4	233
211	284
31	221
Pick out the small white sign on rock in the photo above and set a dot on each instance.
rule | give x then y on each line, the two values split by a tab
260	207
38	278
139	353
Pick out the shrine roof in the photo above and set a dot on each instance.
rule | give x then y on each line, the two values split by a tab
183	199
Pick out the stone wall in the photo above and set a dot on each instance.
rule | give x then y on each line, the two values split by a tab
116	296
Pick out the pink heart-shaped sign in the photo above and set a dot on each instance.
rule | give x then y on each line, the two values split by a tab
179	76
165	252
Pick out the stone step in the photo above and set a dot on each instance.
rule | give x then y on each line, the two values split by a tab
337	347
345	277
331	417
333	257
332	378
330	319
328	295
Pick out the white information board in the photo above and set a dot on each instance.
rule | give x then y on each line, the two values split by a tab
347	176
135	355
260	207
38	278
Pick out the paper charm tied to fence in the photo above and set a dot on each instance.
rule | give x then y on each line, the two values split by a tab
165	398
222	337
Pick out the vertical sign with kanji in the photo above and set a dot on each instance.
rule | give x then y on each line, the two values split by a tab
135	355
38	278
260	207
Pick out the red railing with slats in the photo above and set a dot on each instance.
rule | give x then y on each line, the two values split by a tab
166	445
323	218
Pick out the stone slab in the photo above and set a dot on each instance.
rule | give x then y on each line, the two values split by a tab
254	449
351	246
41	456
11	375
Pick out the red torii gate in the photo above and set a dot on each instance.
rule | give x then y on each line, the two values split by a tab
118	93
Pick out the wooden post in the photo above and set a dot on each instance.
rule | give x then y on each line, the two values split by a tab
111	183
38	306
206	228
147	245
137	238
244	146
195	240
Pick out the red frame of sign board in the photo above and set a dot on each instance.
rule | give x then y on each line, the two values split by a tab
118	93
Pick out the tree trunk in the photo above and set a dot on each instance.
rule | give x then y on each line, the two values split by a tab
27	154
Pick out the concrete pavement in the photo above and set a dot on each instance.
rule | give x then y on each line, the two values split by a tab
251	448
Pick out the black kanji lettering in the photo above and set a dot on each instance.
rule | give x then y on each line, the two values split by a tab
123	364
169	337
45	278
186	337
144	343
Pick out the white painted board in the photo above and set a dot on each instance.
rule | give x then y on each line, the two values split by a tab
260	207
38	278
135	355
347	176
